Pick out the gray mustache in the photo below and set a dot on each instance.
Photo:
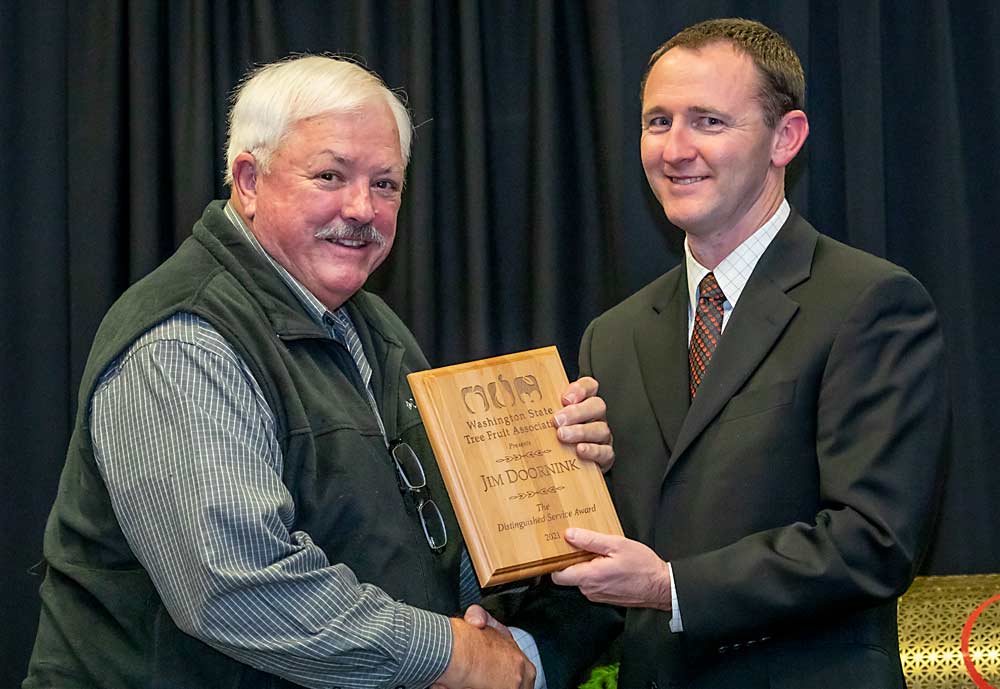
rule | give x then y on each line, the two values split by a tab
356	233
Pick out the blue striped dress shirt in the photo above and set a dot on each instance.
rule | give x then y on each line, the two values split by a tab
186	444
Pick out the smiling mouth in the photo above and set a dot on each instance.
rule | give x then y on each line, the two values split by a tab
349	243
686	180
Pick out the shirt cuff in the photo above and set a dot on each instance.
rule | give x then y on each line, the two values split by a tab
675	608
430	647
526	642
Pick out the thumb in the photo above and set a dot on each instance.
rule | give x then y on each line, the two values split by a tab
591	541
477	616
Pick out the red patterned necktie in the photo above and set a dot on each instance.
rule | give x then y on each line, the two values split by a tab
707	329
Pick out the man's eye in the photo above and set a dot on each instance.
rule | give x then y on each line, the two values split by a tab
712	122
387	185
328	176
659	123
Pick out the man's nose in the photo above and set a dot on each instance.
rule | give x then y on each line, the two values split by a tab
678	145
358	205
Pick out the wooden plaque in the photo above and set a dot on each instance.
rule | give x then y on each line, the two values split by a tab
513	485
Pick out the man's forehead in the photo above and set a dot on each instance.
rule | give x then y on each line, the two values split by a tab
715	56
715	69
342	158
346	137
376	117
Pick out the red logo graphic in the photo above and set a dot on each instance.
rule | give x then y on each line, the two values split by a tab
966	633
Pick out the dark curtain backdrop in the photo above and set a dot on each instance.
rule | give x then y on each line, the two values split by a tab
526	211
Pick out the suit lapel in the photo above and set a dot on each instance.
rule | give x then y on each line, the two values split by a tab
760	317
661	346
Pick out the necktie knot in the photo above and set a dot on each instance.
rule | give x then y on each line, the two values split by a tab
709	289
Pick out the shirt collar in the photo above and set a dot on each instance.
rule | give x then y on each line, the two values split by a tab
313	306
735	269
337	322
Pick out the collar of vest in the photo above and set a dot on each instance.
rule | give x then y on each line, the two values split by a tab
289	317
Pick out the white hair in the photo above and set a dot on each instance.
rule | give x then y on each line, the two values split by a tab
274	97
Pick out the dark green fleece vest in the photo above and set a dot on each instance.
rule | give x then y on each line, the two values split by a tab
102	622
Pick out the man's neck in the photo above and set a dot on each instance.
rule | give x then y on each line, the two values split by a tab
711	247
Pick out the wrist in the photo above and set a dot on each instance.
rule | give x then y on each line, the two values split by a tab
665	589
455	672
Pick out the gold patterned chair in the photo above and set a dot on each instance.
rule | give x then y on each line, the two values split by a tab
949	632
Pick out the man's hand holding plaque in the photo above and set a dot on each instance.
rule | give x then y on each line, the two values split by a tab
581	423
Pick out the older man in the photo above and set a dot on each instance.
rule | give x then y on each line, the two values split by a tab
249	499
778	401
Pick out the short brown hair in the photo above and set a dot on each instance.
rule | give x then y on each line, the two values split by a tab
782	83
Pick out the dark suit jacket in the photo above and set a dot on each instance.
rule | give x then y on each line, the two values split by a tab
794	496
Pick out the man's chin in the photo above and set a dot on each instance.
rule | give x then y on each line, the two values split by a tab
681	219
333	293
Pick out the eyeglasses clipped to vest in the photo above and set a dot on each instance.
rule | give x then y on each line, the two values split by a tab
413	480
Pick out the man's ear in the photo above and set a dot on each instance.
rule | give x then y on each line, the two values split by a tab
245	183
789	137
